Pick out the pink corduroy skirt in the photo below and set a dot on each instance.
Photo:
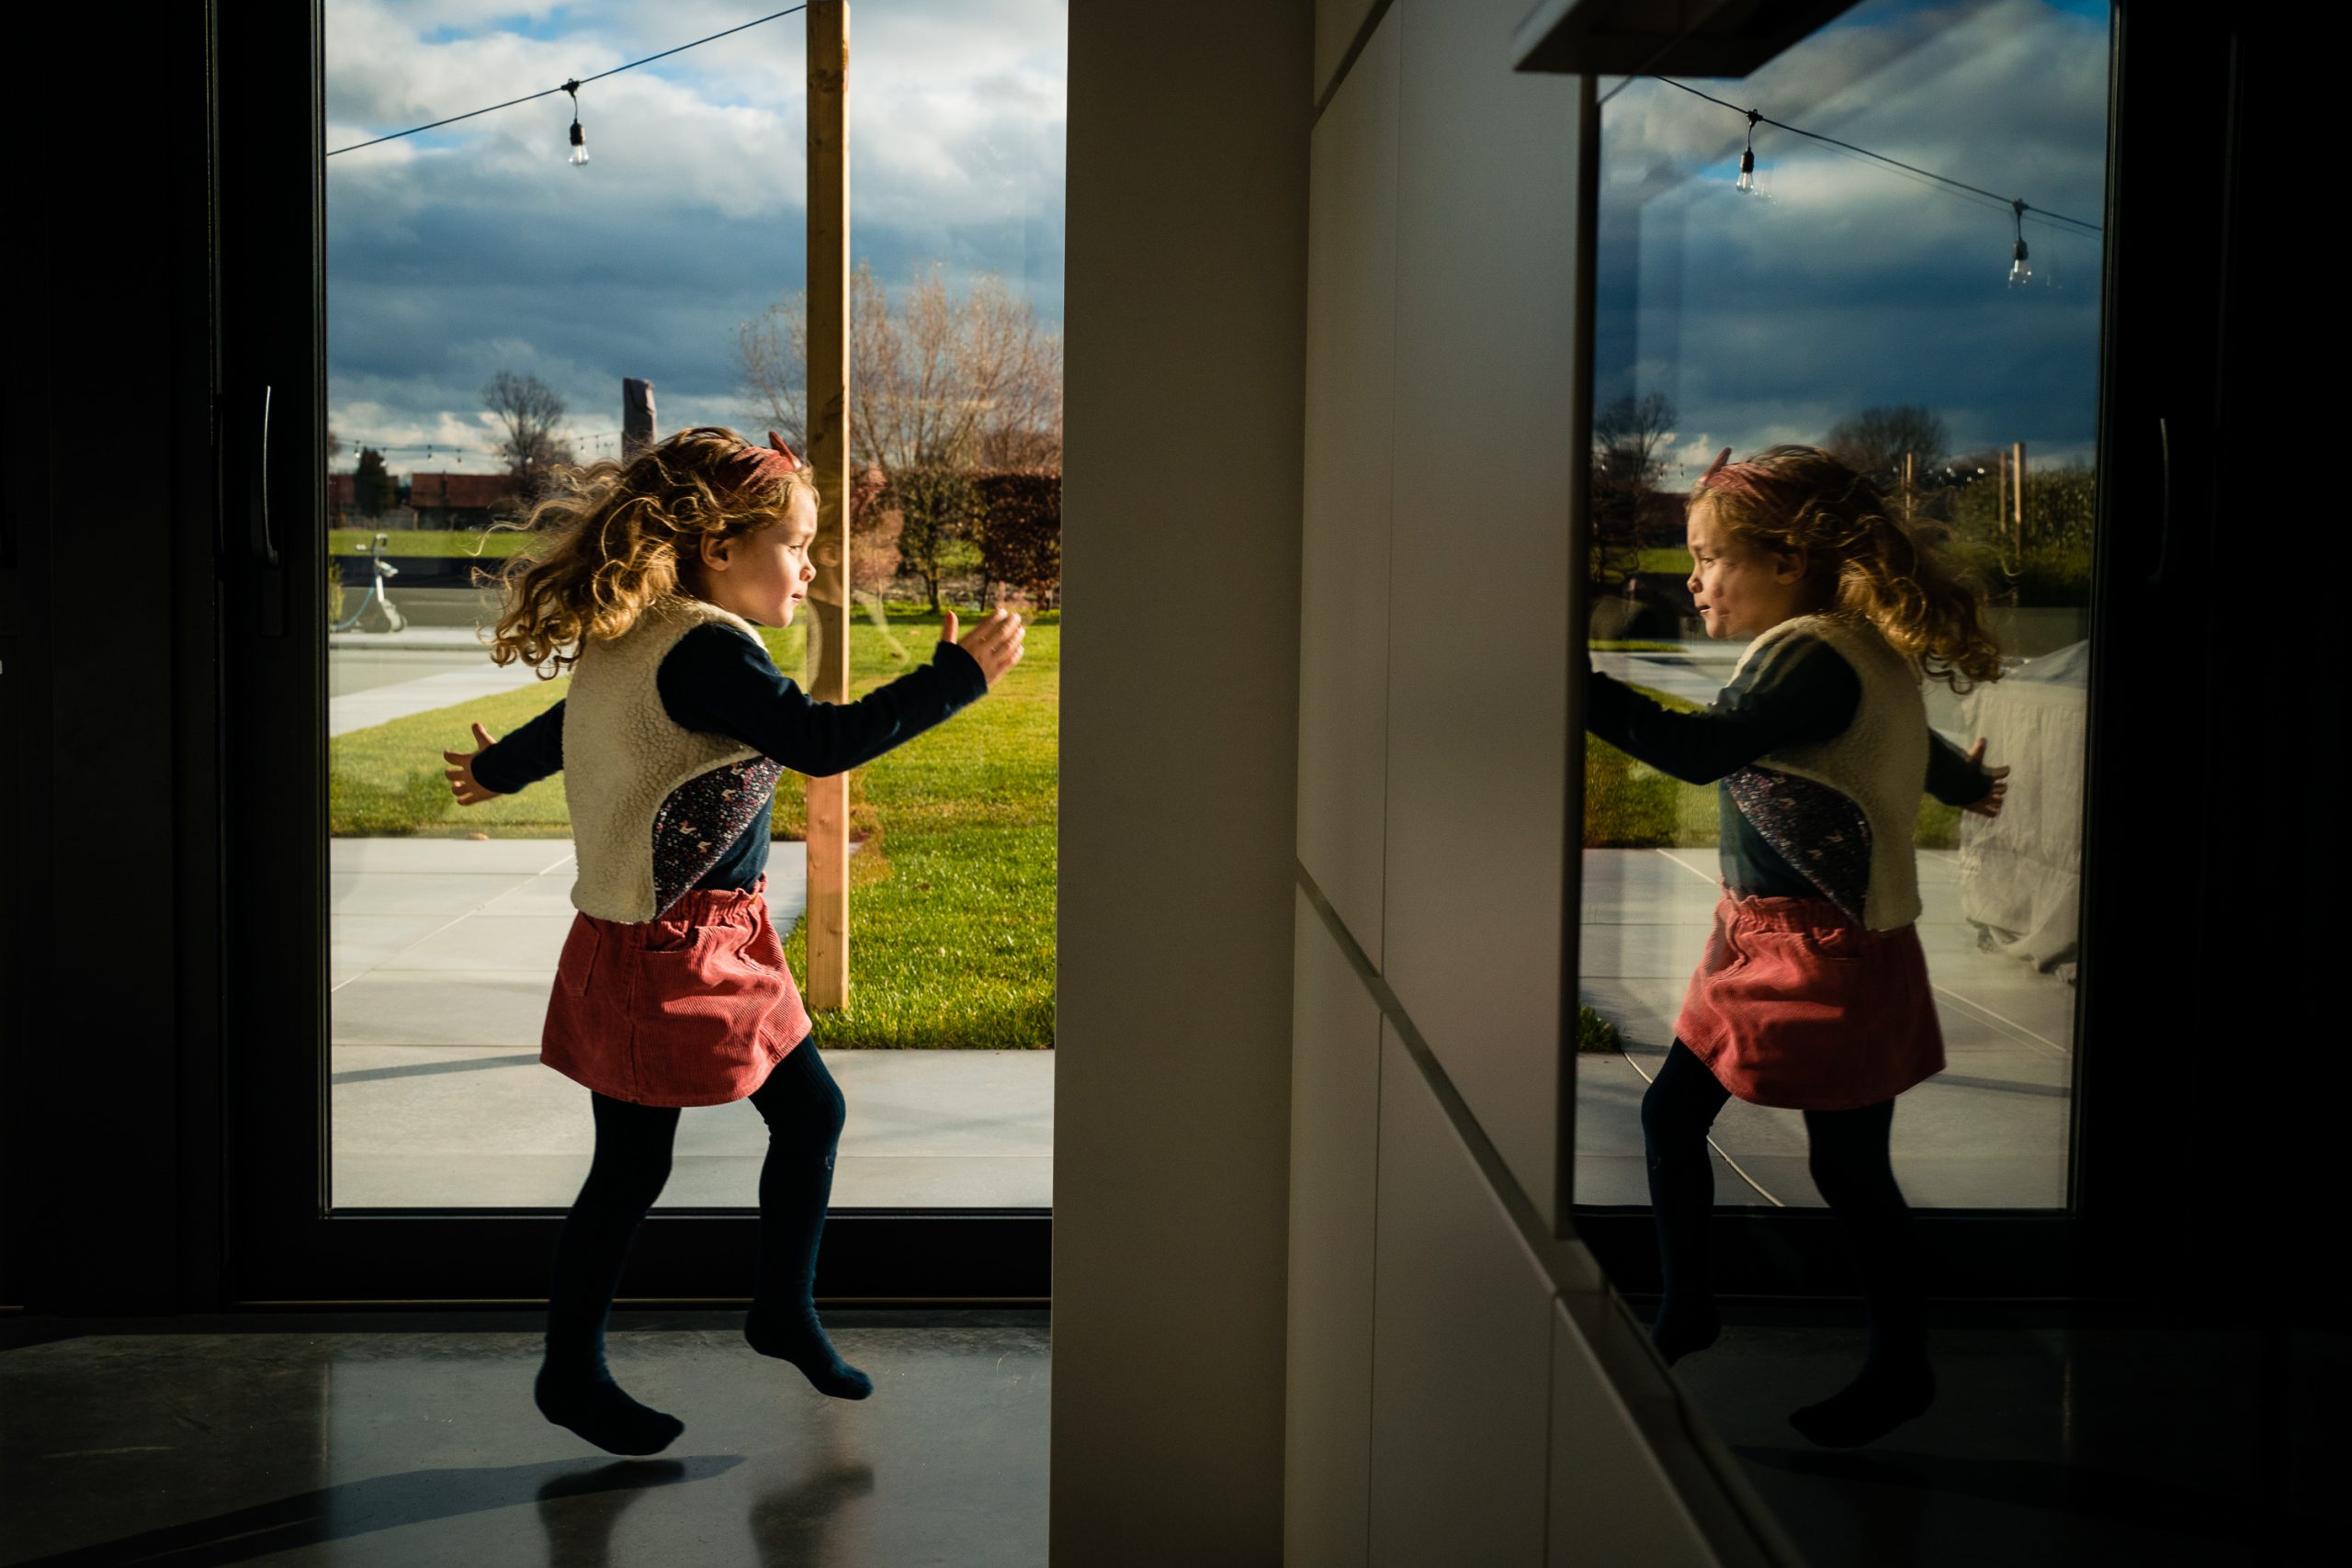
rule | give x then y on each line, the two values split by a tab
694	1008
1796	1006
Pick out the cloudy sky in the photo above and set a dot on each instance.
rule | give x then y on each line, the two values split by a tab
477	248
1842	283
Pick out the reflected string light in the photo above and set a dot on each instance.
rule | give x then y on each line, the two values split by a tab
2018	269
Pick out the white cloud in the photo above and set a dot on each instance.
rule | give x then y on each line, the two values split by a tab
477	246
1845	283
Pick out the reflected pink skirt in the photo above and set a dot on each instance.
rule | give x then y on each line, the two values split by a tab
694	1008
1795	1006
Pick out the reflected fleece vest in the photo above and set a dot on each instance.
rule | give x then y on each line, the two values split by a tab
1878	762
623	754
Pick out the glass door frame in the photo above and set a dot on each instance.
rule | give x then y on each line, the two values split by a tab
284	1244
2169	109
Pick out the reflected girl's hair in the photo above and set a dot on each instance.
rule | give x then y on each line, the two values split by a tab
1887	571
611	539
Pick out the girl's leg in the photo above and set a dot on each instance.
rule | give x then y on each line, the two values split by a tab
804	1111
1677	1109
1850	1167
575	1389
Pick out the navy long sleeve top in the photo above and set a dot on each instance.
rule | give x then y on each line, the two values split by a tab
716	679
1803	690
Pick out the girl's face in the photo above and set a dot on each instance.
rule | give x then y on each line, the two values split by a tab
1741	591
764	575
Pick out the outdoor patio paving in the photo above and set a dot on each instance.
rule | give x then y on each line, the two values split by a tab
442	952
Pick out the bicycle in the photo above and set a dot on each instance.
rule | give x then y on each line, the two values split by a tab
381	571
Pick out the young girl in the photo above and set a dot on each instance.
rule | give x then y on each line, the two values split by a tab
1813	994
672	988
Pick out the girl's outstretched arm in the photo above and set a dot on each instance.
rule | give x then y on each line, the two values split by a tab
1802	688
1953	776
1988	804
502	767
717	679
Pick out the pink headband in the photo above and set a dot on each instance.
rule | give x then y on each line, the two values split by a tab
756	464
1724	474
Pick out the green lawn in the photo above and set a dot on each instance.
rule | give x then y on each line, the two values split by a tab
952	891
1629	804
427	542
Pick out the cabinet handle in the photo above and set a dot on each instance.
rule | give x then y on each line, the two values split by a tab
2164	500
260	493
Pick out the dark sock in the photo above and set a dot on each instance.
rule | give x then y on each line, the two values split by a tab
575	1389
1677	1330
1677	1110
581	1395
1850	1164
1886	1395
797	1337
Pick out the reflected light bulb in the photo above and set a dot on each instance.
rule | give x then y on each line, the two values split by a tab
579	143
1747	170
2018	271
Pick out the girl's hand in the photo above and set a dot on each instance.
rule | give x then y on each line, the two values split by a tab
995	643
1991	805
460	772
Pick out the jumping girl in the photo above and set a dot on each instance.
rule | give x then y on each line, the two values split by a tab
1813	994
672	988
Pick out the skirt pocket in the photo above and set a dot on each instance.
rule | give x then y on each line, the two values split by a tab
578	961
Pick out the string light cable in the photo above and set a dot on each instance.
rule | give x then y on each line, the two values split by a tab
579	143
2018	271
433	448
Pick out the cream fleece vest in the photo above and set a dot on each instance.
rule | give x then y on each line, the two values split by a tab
1878	762
623	754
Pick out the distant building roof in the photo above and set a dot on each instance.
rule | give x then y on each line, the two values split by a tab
459	492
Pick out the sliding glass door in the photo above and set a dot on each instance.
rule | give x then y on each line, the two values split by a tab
1905	256
421	327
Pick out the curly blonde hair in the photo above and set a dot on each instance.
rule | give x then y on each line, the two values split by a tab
612	538
1885	568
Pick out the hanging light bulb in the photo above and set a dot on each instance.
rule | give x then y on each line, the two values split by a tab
1746	182
2018	271
579	137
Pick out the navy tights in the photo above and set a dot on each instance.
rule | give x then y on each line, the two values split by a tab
804	1112
1848	1156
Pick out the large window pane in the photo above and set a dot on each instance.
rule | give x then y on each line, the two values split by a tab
675	255
1849	304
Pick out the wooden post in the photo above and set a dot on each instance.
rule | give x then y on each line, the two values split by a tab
2016	490
827	603
2000	488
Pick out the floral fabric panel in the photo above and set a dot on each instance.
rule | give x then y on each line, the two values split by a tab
702	817
1820	831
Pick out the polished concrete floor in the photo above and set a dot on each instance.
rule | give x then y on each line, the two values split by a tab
401	1439
2057	1440
410	1437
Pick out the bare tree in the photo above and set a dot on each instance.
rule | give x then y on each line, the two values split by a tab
528	409
937	380
1875	442
1629	442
